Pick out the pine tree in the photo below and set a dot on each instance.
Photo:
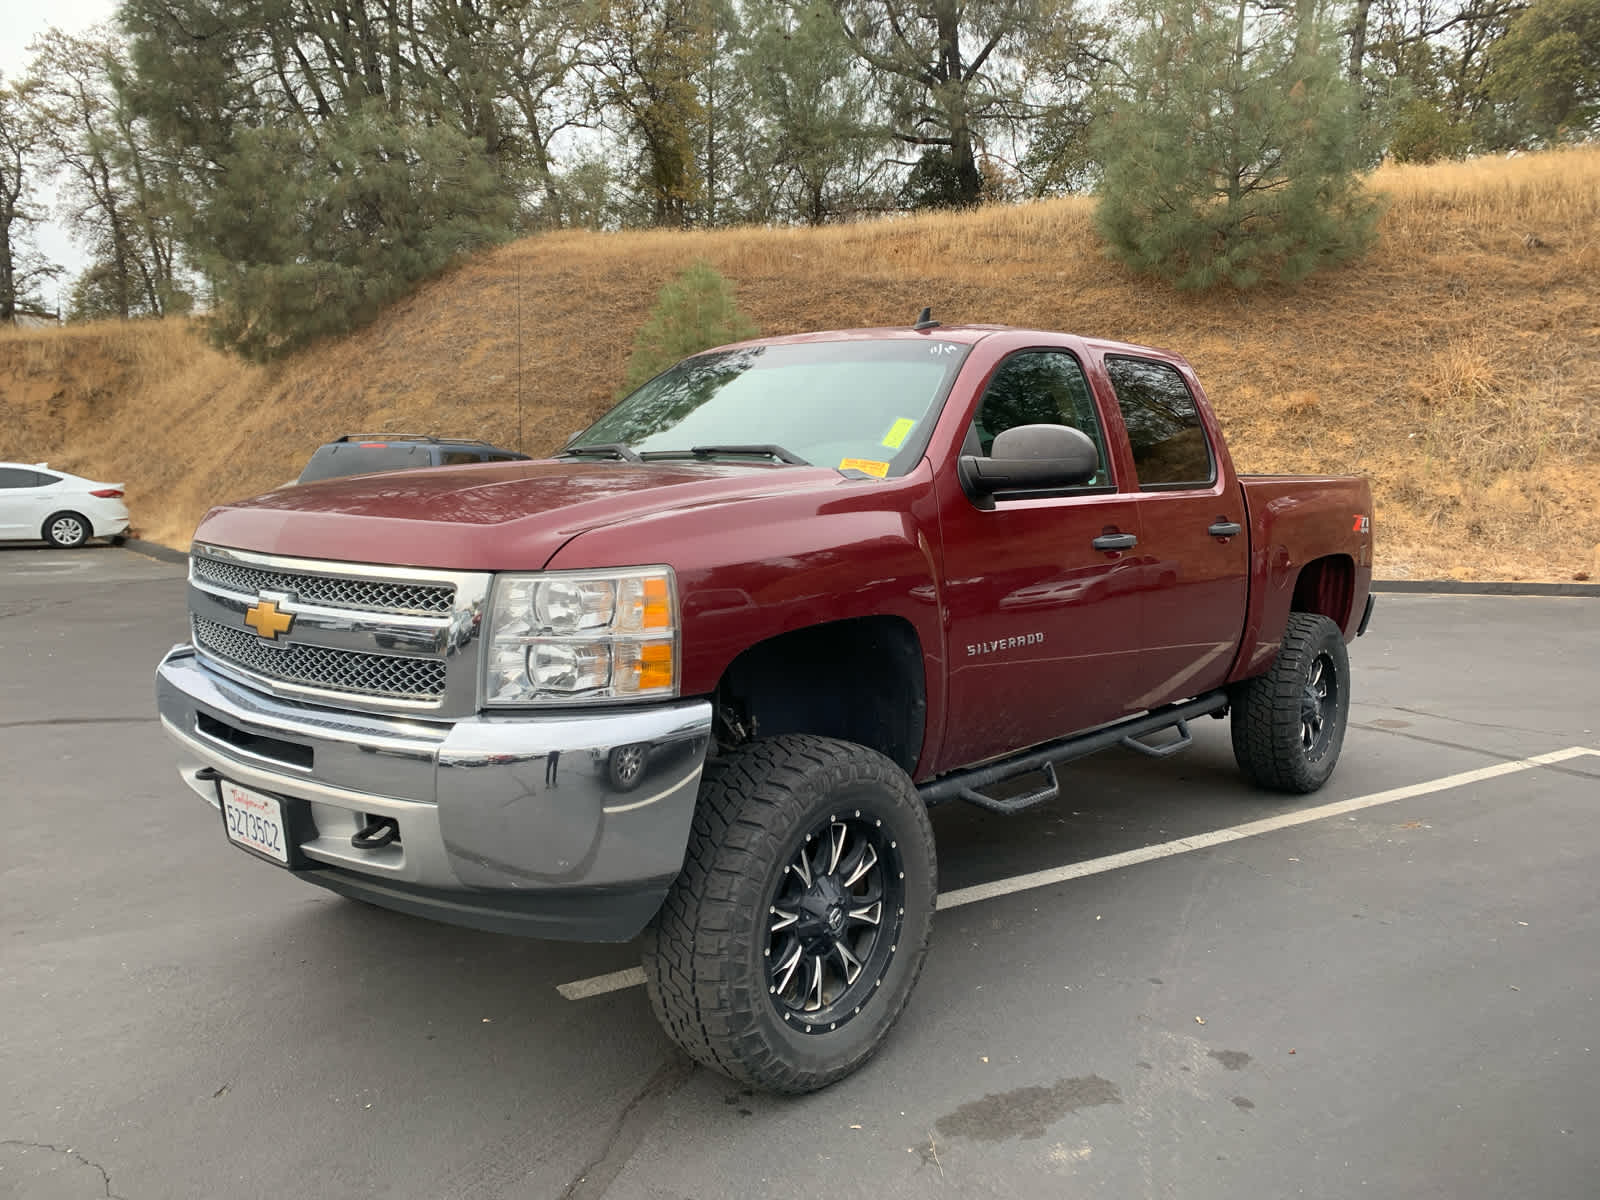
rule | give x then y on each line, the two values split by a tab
694	312
1232	154
309	240
820	137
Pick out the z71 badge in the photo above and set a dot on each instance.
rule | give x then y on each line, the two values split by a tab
1022	639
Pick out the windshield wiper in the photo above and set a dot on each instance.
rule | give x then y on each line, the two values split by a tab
609	449
764	450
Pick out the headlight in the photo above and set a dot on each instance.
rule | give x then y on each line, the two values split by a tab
565	637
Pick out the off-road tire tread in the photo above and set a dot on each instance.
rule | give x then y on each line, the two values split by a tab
750	801
1266	710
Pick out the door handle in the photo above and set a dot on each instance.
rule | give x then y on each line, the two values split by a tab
1115	541
1226	529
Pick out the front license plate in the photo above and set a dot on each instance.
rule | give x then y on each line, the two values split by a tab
255	821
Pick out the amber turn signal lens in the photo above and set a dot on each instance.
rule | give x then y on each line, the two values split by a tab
655	666
657	603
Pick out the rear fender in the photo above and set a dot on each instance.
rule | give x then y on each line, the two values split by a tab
1310	551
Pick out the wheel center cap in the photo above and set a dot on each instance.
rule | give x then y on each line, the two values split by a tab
822	911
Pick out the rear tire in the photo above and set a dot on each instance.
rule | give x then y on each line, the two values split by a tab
1288	725
797	928
66	530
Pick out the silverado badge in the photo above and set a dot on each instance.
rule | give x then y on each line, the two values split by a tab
266	620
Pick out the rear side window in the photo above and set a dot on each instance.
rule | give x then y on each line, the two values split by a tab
17	477
454	458
1169	443
1040	387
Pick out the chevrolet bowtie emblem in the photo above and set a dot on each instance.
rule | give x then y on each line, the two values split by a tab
266	620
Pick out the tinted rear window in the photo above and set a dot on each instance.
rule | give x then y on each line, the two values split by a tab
353	458
1169	443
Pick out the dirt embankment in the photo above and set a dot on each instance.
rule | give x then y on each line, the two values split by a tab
1458	365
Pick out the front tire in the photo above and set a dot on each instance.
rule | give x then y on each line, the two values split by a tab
797	928
1288	725
66	530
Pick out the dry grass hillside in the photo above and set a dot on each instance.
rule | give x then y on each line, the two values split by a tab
1458	365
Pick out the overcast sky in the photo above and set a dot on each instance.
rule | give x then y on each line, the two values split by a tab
21	22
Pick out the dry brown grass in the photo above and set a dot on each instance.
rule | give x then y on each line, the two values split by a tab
1458	364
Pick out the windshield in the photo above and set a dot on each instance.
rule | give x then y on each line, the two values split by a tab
862	405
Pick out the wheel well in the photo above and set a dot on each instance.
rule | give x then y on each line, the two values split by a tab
860	680
1326	586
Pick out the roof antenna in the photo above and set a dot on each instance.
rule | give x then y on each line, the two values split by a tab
925	319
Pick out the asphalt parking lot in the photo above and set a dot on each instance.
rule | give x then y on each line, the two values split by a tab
1394	997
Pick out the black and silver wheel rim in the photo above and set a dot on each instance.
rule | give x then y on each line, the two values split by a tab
626	764
66	531
1319	706
834	922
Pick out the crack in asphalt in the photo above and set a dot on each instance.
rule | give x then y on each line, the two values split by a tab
1498	755
637	1118
1433	716
68	1152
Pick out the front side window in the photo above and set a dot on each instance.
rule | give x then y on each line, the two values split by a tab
1040	387
1169	443
455	458
862	405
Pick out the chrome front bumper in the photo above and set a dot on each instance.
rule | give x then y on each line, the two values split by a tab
559	825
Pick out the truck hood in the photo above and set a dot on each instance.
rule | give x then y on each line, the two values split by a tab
485	517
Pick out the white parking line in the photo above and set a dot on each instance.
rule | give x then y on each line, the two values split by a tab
599	985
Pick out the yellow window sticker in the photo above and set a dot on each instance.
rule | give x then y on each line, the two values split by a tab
868	465
896	437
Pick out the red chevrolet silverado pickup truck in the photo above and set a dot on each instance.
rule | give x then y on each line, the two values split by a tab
701	674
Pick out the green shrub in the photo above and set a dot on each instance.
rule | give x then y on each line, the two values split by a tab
694	312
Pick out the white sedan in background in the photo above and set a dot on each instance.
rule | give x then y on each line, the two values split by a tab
38	504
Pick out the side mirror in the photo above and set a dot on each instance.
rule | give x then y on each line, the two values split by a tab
1030	458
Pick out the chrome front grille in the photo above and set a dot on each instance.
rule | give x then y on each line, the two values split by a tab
367	595
341	635
387	675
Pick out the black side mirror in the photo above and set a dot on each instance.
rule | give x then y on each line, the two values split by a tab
1030	458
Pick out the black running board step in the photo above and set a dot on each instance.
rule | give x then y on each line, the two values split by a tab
968	784
1015	804
1166	749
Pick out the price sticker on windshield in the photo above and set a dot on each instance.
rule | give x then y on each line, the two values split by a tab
896	437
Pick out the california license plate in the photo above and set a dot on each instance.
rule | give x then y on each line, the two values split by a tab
255	821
